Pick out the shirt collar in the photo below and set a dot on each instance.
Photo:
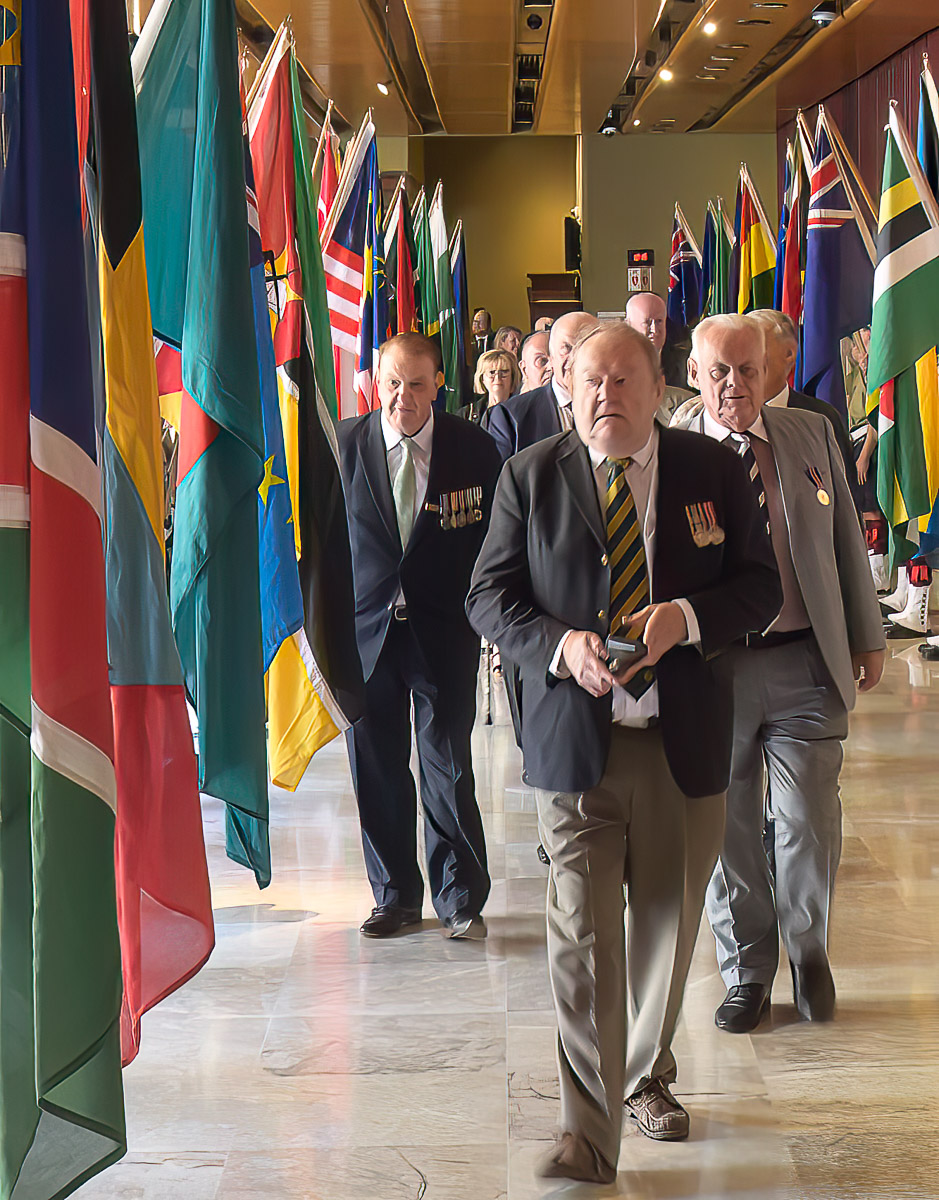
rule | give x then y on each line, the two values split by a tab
641	458
560	393
720	433
423	439
781	399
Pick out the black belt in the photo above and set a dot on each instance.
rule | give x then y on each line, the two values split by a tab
768	641
400	612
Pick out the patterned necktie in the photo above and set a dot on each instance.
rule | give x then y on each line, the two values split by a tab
629	576
566	413
748	458
404	491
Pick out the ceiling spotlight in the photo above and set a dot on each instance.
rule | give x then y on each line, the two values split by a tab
825	13
710	28
666	75
636	121
384	87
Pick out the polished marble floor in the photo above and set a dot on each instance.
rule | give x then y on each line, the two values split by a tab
306	1062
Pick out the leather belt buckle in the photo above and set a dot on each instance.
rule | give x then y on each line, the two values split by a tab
400	612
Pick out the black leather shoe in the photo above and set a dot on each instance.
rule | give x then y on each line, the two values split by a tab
470	926
744	1007
930	653
813	990
385	921
901	633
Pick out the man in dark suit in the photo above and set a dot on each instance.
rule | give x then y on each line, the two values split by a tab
483	336
619	525
528	417
418	488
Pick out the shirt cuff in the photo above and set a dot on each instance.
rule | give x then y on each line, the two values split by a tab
694	631
558	666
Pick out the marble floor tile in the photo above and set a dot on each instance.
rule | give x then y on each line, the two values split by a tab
308	1062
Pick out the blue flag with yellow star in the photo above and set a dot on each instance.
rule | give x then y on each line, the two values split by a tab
281	599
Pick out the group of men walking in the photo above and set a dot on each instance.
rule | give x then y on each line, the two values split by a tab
687	614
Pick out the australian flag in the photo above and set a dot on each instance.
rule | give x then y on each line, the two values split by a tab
684	276
839	278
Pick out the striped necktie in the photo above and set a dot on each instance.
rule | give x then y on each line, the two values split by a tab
629	576
748	458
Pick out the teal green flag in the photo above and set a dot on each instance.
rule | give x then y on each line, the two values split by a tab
192	154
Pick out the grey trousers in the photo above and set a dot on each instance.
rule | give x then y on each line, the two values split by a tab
789	724
618	998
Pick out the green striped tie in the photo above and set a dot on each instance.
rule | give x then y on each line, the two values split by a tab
629	577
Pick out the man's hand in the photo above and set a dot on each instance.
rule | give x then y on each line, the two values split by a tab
662	626
868	668
585	657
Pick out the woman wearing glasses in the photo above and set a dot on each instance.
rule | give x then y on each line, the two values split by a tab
497	377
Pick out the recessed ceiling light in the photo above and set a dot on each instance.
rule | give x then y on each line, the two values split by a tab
710	28
733	45
666	75
711	77
753	21
384	87
637	121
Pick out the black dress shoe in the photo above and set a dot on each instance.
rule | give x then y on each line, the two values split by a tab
813	990
930	653
385	921
470	926
902	633
744	1007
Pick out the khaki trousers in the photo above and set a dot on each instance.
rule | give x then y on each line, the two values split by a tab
617	1010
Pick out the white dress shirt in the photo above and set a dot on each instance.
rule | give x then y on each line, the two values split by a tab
781	399
421	446
642	475
564	403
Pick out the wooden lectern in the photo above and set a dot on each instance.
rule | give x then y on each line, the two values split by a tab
553	295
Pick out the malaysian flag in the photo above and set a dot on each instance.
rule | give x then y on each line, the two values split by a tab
684	274
839	273
343	240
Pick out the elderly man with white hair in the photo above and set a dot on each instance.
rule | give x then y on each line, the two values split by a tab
617	527
793	684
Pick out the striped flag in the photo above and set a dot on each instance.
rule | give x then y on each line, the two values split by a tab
426	274
904	332
373	309
715	265
757	259
684	274
783	228
927	368
61	1101
164	903
307	700
343	241
790	269
329	172
838	272
196	232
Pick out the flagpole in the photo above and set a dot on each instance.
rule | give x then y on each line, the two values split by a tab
757	202
805	137
321	140
344	187
834	134
931	92
725	220
686	230
863	228
457	230
266	63
920	182
394	200
421	195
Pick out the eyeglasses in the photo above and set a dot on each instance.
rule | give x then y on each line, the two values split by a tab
497	374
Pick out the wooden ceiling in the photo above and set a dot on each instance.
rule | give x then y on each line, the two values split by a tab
453	64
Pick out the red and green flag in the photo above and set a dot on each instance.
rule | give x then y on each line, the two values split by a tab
61	1099
198	270
757	249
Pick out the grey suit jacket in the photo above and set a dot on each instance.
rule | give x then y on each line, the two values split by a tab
828	548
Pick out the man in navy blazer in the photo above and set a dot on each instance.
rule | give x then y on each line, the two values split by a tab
524	419
418	486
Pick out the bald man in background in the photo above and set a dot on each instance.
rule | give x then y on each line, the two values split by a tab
522	420
646	313
534	362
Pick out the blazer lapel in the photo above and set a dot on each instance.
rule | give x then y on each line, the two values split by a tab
375	461
574	461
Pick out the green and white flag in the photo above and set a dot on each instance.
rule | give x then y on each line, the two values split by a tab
446	309
904	332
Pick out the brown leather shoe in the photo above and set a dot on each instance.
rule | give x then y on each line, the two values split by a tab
657	1113
576	1158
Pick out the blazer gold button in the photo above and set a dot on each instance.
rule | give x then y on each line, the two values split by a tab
604	561
602	614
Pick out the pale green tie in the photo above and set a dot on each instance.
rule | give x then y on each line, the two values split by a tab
404	491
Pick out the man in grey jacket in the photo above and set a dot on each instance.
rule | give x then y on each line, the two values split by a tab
794	685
